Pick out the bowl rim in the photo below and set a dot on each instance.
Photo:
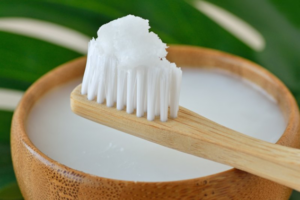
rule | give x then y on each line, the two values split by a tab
22	111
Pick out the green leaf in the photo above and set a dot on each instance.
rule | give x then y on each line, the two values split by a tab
5	120
175	21
279	23
295	195
5	157
25	63
11	192
9	189
78	19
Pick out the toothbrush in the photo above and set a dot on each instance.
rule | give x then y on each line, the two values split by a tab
186	131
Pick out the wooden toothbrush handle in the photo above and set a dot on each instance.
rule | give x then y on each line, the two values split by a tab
215	142
199	136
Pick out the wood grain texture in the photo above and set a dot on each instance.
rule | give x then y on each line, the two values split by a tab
40	177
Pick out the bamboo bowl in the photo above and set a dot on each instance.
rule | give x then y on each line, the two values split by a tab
40	177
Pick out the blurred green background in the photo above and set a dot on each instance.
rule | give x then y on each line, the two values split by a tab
264	31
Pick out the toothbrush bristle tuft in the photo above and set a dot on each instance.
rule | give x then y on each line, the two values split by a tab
124	72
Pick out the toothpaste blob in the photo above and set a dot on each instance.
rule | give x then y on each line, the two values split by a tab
129	40
127	65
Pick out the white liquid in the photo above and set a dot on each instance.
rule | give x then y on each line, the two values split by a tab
99	150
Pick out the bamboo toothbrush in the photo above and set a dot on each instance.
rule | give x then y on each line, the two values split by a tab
189	132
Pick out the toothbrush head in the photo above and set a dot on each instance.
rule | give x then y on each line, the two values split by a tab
126	66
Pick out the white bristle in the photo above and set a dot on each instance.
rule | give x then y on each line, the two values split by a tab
145	98
122	76
88	67
126	65
164	94
101	82
134	97
175	90
111	82
93	79
131	82
152	89
140	89
157	103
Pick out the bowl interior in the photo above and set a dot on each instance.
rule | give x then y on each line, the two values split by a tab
102	151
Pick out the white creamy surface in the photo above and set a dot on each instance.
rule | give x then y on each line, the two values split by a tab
99	150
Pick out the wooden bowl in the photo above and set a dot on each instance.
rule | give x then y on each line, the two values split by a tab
42	178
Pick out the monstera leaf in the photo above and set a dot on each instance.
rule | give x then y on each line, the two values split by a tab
25	57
